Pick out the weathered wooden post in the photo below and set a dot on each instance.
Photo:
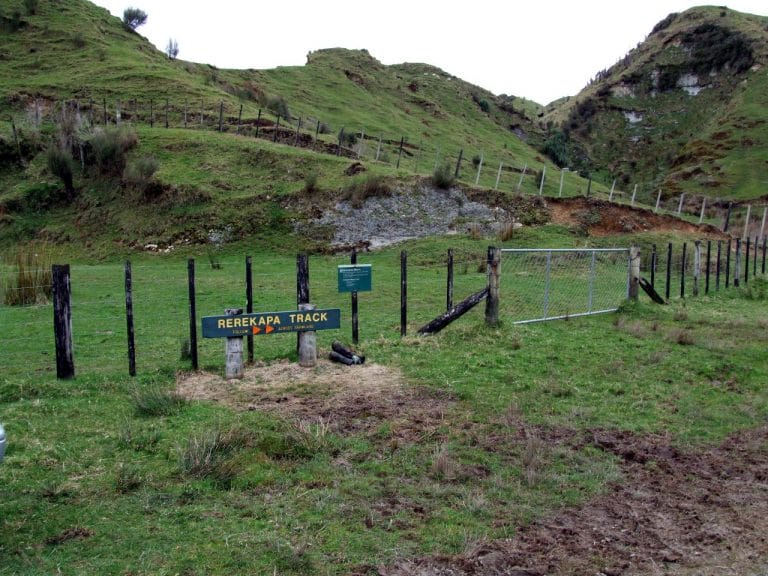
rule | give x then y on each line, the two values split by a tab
302	286
562	175
186	104
151	114
307	342
756	245
378	148
234	350
494	278
400	151
249	301
479	170
762	224
746	260
354	302
62	322
449	281
707	266
703	209
341	137
634	272
728	264
589	186
239	119
543	176
737	264
696	266
192	312
129	319
654	259
658	201
221	116
166	112
613	187
717	265
669	271
317	130
682	270
680	205
727	220
522	175
298	128
498	176
403	292
745	234
258	121
458	164
634	194
765	239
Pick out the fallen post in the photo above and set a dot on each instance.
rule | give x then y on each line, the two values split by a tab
651	291
454	313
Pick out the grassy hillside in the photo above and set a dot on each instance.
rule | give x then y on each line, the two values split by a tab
687	110
72	59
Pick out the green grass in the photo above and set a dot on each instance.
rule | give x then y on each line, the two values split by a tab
92	485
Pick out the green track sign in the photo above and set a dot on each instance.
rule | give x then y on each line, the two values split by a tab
355	278
263	323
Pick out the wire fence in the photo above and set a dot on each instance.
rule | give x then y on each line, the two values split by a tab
536	284
549	284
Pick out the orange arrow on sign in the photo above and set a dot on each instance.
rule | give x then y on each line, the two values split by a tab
269	329
256	329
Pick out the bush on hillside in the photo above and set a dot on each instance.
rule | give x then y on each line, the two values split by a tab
139	173
133	18
61	165
442	177
108	148
279	106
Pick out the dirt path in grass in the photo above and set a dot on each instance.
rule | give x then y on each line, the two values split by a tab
677	513
348	399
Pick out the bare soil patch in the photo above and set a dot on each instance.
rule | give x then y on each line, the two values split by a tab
701	512
602	218
349	398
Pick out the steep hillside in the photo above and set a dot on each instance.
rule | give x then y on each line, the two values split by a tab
686	111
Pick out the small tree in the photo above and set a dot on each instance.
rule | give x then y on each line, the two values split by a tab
172	49
133	18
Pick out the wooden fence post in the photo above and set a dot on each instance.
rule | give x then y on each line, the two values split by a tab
634	272
703	209
234	351
317	131
682	270
458	164
341	137
634	194
258	121
307	343
494	277
737	264
298	128
560	191
746	260
654	258
129	319
498	176
186	104
613	187
166	112
302	286
696	266
762	224
707	266
192	312
239	119
479	170
728	264
355	314
680	205
449	281
151	114
403	292
221	116
765	238
62	322
249	301
669	270
717	265
543	176
522	175
756	245
658	202
745	234
400	151
727	220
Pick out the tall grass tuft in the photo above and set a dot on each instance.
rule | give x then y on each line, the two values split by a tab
153	400
30	280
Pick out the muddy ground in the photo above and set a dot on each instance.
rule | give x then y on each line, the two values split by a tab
702	513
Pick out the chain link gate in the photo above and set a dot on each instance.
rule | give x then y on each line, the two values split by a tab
554	283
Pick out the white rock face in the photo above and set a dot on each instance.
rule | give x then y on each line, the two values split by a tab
623	91
633	117
690	84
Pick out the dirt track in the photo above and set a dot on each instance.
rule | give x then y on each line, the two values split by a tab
676	513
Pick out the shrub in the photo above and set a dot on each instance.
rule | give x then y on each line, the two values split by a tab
172	49
30	280
109	147
139	173
31	6
279	106
127	478
61	165
310	183
78	40
133	18
442	177
476	159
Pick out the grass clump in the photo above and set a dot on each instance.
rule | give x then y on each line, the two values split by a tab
139	173
154	400
361	189
127	478
30	281
210	455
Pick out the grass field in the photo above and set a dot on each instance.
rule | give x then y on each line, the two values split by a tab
107	474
